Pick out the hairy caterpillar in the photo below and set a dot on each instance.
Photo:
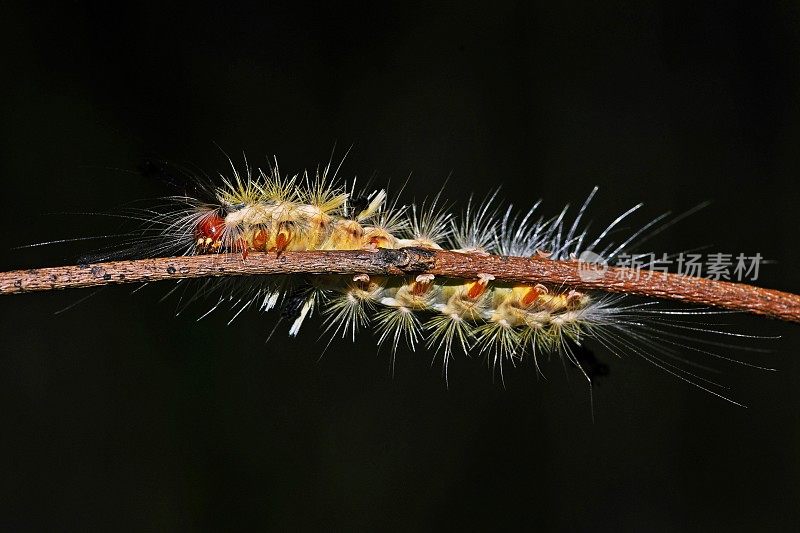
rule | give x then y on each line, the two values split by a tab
262	210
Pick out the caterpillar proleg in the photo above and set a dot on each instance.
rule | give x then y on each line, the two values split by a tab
260	210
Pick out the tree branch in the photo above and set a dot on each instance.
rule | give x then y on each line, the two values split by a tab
405	261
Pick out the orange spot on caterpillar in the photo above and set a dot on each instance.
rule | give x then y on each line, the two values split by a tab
418	288
475	290
533	293
422	284
281	242
260	239
530	296
241	245
479	287
378	241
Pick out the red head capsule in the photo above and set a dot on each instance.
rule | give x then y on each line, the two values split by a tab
208	233
210	226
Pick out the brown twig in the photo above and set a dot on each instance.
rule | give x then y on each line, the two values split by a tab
721	294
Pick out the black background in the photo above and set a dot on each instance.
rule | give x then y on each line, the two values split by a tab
119	415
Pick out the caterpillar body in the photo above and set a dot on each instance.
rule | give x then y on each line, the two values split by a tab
261	210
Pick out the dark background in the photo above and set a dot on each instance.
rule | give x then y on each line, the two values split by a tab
116	414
